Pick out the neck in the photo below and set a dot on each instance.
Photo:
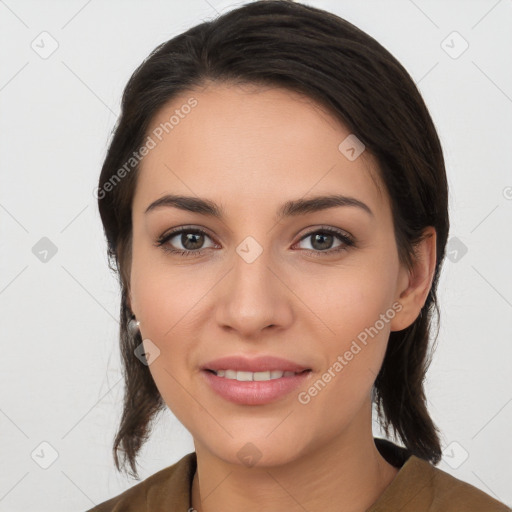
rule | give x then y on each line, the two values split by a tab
346	474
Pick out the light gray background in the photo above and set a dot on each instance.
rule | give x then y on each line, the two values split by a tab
60	370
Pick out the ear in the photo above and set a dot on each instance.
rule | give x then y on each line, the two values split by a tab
414	285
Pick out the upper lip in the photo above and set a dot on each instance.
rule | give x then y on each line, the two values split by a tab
255	364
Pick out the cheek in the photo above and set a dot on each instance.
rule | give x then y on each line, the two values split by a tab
356	311
166	321
165	293
159	304
348	300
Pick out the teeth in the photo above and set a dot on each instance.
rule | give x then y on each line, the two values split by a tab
256	376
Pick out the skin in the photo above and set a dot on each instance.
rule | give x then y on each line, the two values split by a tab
251	149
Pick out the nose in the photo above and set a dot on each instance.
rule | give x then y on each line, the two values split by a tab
254	296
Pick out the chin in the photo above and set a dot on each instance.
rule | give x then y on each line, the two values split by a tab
256	451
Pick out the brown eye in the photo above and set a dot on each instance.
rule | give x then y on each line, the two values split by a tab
191	239
322	241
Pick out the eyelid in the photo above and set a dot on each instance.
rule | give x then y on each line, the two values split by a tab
185	227
310	230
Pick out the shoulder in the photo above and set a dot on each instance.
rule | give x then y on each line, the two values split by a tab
420	486
168	487
438	491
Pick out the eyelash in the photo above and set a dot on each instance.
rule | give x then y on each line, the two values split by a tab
348	242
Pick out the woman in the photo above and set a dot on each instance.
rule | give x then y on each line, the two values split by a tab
275	201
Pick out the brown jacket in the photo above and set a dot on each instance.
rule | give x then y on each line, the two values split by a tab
418	487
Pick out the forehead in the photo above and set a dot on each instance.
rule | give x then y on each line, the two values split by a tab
254	144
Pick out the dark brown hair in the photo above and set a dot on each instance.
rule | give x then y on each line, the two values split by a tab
308	50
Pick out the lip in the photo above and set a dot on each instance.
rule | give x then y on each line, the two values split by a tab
256	364
254	392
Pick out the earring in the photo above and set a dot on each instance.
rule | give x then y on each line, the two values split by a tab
133	326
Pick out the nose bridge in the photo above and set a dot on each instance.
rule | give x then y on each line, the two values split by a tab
251	266
253	297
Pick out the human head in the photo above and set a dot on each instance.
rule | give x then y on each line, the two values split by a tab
303	49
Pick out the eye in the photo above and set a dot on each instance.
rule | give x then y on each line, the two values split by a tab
323	238
192	240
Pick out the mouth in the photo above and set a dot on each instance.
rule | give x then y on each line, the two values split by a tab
245	376
255	388
259	380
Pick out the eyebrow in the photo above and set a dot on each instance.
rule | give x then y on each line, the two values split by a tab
290	208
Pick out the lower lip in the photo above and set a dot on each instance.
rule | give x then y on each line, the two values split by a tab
254	392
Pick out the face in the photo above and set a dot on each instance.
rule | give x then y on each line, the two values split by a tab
317	287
